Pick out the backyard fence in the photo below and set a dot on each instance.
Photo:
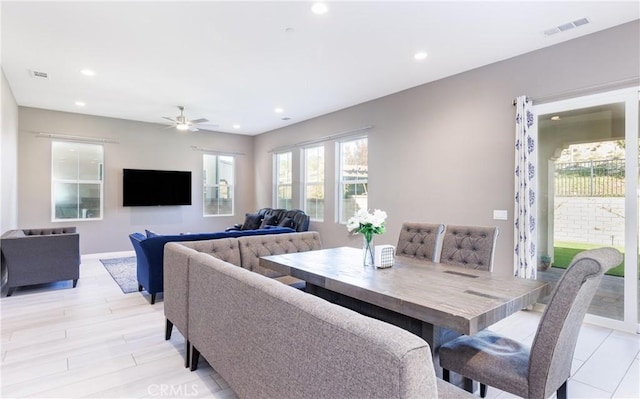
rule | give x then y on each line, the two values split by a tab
590	179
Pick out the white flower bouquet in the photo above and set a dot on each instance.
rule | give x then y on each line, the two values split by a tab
367	223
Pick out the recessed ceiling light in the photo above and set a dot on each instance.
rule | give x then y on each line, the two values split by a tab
555	118
278	110
319	8
236	126
80	103
88	72
420	55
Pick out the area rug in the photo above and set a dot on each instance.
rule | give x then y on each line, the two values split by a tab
123	271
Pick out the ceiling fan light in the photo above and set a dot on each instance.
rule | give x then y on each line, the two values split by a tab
182	126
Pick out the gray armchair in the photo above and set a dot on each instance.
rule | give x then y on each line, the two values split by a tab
543	369
469	246
420	241
39	256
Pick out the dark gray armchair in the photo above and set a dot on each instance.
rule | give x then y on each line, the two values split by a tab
539	371
39	256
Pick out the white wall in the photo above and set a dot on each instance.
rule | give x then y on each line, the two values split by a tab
8	158
443	152
139	146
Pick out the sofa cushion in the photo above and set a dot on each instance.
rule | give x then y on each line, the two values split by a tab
270	220
286	222
251	221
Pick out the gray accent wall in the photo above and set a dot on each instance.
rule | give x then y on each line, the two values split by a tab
138	145
443	152
8	158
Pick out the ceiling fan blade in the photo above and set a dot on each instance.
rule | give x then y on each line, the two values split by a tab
193	129
171	119
201	120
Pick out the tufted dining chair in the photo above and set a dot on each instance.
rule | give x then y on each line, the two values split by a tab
539	371
469	246
420	241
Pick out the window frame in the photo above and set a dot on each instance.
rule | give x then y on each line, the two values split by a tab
320	182
78	182
341	182
230	187
276	179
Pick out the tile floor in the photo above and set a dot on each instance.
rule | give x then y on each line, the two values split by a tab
96	342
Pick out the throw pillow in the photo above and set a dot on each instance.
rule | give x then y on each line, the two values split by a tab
270	220
151	233
286	222
251	221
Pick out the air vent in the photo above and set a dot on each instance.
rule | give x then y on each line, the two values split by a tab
566	27
38	74
285	118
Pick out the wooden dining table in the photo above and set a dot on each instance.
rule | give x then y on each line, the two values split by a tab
433	300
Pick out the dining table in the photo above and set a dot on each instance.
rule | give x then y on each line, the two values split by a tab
435	301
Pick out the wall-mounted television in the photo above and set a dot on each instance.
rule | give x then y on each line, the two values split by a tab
142	187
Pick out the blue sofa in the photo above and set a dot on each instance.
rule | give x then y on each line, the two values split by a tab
149	250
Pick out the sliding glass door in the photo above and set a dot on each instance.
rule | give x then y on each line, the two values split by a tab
588	192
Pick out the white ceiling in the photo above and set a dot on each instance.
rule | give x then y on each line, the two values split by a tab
234	62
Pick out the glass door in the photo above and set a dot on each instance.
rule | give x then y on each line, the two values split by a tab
588	193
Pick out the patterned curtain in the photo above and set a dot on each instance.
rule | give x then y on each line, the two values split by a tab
525	209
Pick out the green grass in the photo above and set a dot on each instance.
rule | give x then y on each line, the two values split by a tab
563	253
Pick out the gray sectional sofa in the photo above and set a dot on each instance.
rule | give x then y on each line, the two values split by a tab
241	251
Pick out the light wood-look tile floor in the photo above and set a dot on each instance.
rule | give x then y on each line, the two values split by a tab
94	341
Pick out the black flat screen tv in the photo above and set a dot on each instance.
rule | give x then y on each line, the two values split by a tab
155	187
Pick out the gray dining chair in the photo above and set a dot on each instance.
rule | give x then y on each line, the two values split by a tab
420	241
469	246
539	371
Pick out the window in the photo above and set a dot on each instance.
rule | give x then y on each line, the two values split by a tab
76	177
218	178
314	182
283	180
353	175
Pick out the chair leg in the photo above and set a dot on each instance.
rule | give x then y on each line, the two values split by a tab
483	390
561	393
153	298
445	375
468	384
10	291
75	282
195	357
187	353
167	330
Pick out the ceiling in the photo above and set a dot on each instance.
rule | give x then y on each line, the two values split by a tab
234	62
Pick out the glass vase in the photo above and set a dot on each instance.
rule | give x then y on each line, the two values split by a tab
367	249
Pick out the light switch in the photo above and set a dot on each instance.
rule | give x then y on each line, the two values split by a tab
499	214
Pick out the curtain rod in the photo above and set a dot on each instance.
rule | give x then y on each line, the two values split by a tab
617	84
212	151
75	138
322	139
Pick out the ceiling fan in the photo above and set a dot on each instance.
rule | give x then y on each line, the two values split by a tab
182	123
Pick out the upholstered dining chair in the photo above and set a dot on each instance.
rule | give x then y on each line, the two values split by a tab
420	241
469	246
539	371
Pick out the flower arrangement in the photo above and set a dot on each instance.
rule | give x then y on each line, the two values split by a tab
367	223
